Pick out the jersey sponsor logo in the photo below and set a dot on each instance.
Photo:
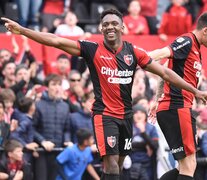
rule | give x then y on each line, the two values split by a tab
128	144
119	80
177	150
128	59
115	72
111	141
181	39
105	58
117	76
198	66
181	45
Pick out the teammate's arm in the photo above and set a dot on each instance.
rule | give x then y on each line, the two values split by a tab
160	53
48	39
171	77
159	92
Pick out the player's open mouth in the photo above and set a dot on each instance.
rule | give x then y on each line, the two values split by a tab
110	34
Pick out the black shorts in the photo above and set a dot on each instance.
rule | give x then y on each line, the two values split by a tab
113	136
179	129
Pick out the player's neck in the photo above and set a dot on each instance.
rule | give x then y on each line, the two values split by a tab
115	45
197	35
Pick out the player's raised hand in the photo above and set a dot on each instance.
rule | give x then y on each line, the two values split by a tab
12	26
202	95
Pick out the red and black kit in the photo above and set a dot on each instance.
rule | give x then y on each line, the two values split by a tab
174	110
112	75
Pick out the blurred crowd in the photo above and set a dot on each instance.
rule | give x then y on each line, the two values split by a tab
43	114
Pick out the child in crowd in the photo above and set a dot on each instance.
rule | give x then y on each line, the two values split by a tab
12	166
73	161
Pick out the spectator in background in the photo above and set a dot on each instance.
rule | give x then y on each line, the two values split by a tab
82	119
61	66
4	126
69	27
51	122
8	97
201	169
141	86
149	11
22	73
143	101
8	70
12	165
175	21
144	146
73	161
24	133
51	10
134	22
28	11
5	55
75	87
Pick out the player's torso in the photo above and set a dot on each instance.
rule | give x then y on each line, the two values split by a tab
115	73
189	69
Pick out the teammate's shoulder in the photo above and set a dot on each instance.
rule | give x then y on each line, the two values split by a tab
184	41
183	38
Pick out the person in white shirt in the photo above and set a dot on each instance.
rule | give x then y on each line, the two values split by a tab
69	28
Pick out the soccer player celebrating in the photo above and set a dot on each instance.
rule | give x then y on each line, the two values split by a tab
174	110
112	64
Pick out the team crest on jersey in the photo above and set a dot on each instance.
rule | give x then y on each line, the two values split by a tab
111	141
128	59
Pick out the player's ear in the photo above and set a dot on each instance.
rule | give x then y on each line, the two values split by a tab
205	31
100	29
123	28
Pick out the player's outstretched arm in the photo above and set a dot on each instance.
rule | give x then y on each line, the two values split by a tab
160	53
170	76
48	39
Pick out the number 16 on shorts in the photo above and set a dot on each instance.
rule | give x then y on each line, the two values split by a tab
128	144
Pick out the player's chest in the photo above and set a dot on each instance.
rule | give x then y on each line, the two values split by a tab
122	61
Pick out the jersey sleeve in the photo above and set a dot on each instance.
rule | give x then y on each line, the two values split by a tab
142	58
181	48
64	156
87	49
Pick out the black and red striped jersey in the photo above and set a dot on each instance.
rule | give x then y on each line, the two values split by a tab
186	62
112	75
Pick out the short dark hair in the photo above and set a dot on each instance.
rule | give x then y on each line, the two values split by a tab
63	56
11	145
25	104
5	63
82	135
52	77
111	11
202	21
